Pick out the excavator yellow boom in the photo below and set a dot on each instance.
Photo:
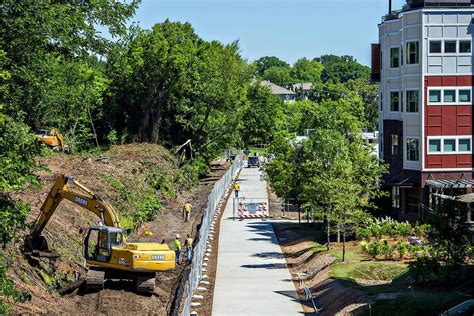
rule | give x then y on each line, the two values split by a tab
104	247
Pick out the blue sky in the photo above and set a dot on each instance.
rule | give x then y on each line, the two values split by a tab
288	29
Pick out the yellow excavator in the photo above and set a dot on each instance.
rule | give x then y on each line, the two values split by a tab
104	249
52	138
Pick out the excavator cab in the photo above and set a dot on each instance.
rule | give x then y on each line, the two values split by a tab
99	241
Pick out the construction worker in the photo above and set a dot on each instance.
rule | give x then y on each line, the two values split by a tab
189	248
177	247
236	188
187	208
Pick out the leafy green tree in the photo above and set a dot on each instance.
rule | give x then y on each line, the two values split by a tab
278	75
267	62
342	68
169	86
262	116
18	150
449	235
305	70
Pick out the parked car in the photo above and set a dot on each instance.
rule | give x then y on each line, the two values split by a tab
253	161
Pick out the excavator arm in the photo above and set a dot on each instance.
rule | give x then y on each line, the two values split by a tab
60	191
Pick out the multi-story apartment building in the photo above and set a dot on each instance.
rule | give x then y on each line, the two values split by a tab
423	63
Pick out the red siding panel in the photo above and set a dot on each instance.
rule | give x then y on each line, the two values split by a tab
447	120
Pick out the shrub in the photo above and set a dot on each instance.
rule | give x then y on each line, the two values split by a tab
112	137
404	229
386	249
422	230
401	248
363	233
374	249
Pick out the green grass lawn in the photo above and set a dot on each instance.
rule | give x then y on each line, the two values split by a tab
381	271
395	272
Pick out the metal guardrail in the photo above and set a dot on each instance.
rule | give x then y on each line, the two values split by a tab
216	198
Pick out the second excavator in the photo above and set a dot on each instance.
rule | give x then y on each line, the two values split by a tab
104	248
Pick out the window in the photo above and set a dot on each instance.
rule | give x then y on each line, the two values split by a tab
465	95
412	149
394	101
464	46
465	145
435	47
434	146
412	53
449	145
394	57
434	96
449	96
394	145
450	46
412	101
396	197
381	101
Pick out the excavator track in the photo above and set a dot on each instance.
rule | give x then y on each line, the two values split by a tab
146	282
95	278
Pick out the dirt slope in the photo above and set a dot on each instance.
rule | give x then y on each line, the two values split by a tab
128	166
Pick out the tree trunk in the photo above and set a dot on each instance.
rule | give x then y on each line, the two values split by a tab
93	127
344	237
328	219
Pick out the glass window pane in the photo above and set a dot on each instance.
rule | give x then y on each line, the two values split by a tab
449	95
435	96
465	144
464	95
412	149
394	101
464	46
450	46
449	145
412	101
412	53
435	146
435	47
394	57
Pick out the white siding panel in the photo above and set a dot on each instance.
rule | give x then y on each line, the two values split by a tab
435	60
450	18
450	31
464	60
449	64
435	31
435	69
464	69
464	18
412	33
435	18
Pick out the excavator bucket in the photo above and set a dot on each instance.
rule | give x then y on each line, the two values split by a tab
37	246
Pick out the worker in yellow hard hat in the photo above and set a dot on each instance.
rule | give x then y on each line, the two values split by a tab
187	208
236	188
189	248
177	247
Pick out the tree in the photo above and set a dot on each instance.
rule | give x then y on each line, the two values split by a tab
169	86
305	70
278	75
342	68
267	62
261	118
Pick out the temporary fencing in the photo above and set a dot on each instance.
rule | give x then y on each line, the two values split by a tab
216	199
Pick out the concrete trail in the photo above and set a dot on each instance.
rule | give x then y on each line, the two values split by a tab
252	277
